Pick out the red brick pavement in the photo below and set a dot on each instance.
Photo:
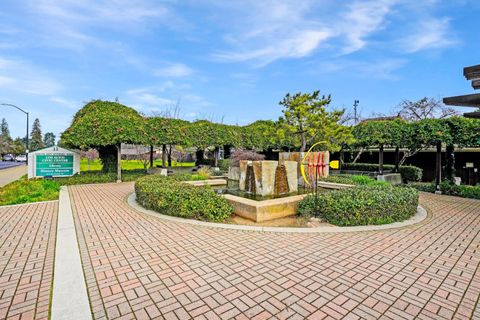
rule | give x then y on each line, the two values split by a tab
27	248
139	267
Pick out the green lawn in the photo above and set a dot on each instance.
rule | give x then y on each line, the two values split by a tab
127	164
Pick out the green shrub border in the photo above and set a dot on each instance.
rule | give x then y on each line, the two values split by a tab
175	198
362	205
409	173
450	189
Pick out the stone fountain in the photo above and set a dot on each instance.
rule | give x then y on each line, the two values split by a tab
268	178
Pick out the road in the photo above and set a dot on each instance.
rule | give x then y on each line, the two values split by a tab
11	174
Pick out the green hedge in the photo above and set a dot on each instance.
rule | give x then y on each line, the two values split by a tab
423	186
174	198
409	173
98	176
447	188
472	192
352	179
362	205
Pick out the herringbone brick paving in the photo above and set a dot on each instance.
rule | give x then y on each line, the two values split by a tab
139	267
27	248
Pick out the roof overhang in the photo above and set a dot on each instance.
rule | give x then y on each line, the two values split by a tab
469	100
473	115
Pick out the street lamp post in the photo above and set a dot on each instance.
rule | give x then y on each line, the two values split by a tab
12	105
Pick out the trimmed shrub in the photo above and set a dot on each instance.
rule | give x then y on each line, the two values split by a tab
472	192
423	186
409	173
352	179
171	197
98	176
362	205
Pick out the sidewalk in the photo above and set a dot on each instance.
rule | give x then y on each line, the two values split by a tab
12	174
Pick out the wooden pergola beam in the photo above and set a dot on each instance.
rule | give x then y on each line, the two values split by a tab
472	73
469	100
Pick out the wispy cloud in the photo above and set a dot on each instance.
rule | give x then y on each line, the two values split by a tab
174	70
361	19
293	29
431	34
65	102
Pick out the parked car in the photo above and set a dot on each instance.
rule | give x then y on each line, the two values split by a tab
21	158
8	157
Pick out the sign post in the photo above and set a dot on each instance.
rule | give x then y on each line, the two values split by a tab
53	162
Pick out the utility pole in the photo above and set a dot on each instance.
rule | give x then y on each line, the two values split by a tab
355	105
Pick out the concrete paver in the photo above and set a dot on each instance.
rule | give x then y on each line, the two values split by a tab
139	267
27	248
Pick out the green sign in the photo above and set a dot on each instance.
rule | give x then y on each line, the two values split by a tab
54	164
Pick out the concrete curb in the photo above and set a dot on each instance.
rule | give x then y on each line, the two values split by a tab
26	204
417	218
70	298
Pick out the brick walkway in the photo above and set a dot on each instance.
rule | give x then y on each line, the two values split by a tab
139	266
27	248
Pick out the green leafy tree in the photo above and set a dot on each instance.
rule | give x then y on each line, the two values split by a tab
167	132
36	139
18	147
105	125
5	139
4	131
49	139
204	134
305	115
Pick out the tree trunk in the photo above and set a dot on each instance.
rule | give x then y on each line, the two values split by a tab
303	148
438	168
164	155
151	156
119	163
227	151
342	159
380	160
170	155
397	159
200	156
450	164
216	154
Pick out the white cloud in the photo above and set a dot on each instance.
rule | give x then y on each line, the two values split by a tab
361	20
174	70
298	45
430	34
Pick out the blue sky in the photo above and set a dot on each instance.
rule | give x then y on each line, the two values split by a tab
229	60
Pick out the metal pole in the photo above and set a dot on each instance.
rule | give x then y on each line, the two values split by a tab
26	144
355	105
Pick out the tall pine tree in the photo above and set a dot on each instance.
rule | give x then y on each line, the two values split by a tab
49	139
5	139
36	139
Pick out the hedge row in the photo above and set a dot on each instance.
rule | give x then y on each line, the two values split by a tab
352	179
471	192
409	173
362	205
98	176
175	198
